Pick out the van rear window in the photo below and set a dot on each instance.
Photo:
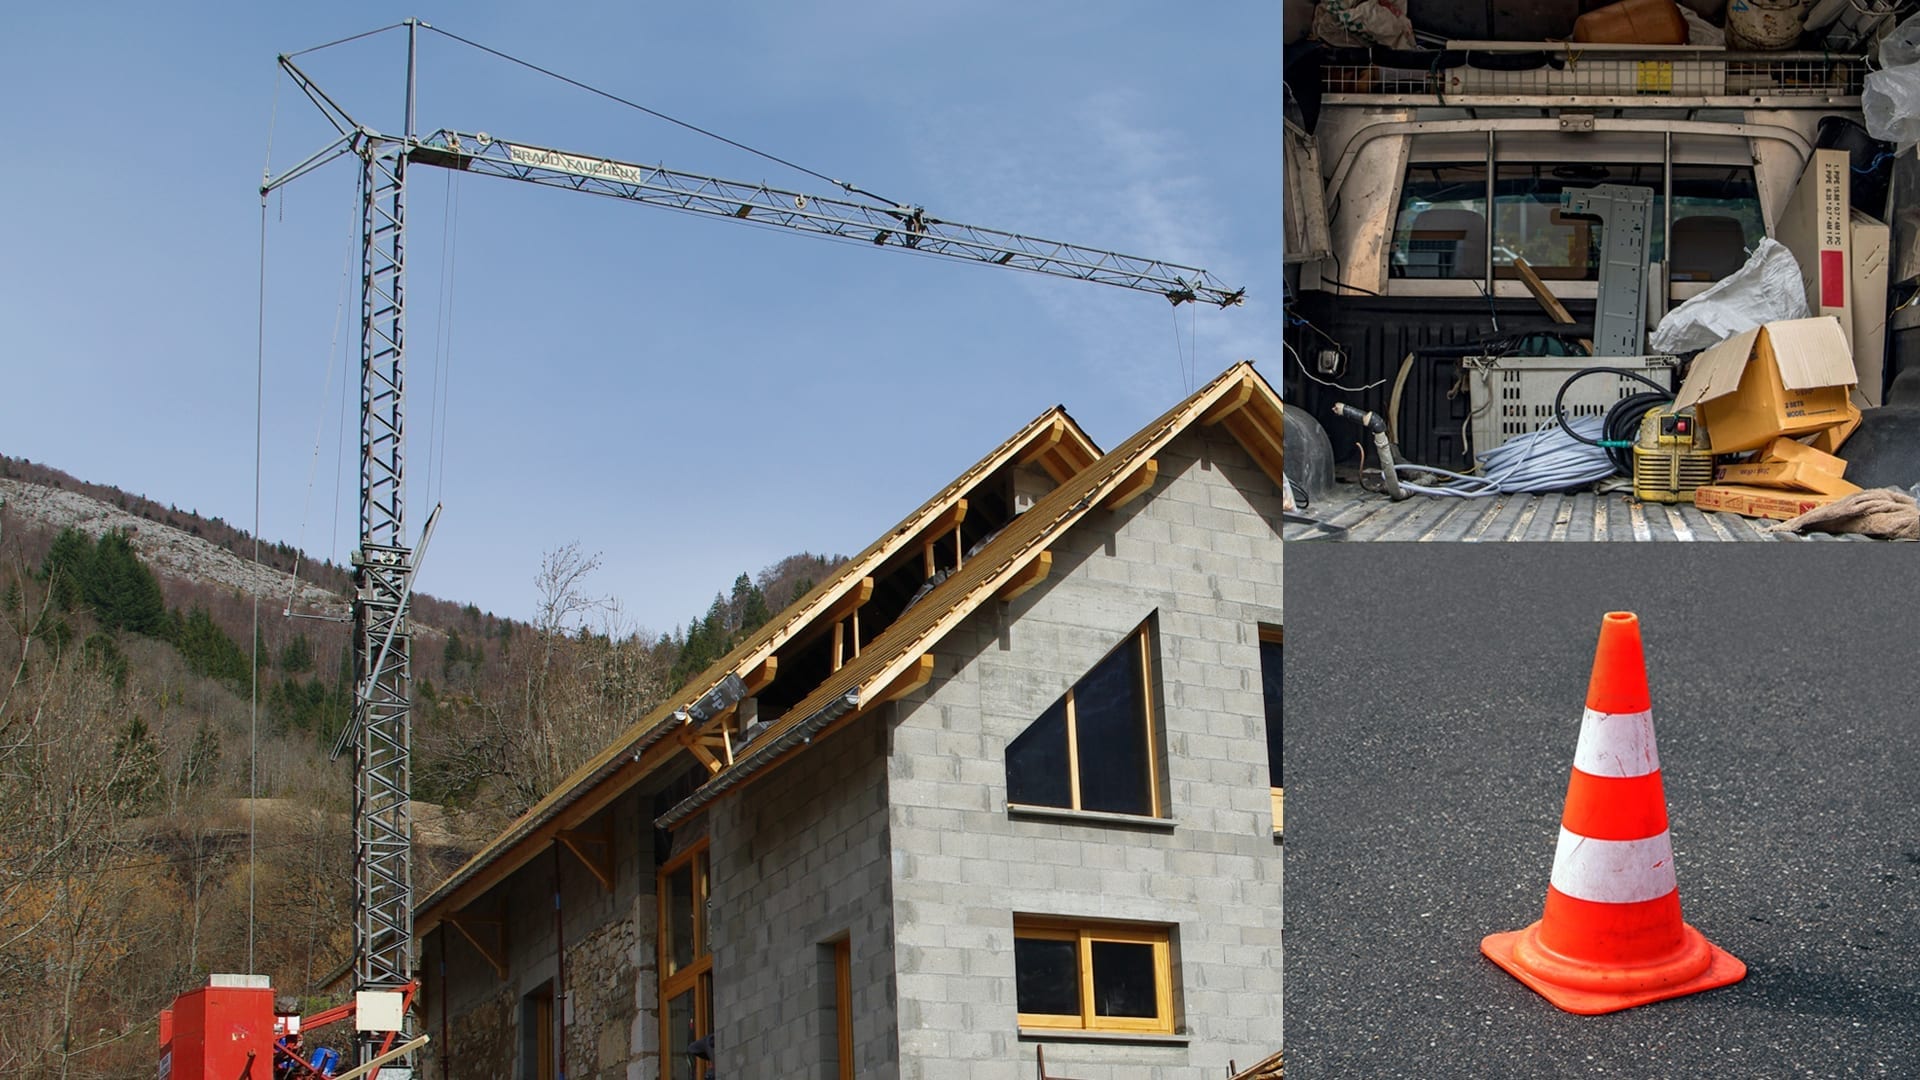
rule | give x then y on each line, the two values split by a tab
1441	230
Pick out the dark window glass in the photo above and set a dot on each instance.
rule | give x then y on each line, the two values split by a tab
680	1021
1109	717
1441	229
1047	976
1123	976
1038	773
1716	218
680	918
1270	689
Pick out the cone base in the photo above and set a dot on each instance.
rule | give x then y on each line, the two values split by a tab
1513	952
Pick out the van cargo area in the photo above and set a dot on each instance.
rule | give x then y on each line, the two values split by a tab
1482	207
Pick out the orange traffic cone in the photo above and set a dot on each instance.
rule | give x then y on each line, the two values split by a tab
1611	937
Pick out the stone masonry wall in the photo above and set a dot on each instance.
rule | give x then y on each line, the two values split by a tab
1201	551
800	858
609	1007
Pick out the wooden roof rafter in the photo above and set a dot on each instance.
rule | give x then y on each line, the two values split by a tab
646	745
1017	560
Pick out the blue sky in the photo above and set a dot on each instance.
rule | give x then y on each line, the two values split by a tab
689	398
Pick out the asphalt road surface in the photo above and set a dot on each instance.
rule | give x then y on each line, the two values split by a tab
1433	699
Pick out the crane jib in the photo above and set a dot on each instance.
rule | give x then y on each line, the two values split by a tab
884	225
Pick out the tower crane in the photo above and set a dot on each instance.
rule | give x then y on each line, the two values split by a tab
384	562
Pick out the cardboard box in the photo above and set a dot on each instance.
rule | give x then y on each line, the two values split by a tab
1792	475
1792	377
1758	502
1869	243
1815	227
1785	449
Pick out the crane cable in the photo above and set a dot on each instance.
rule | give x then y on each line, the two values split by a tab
438	416
841	184
253	664
320	416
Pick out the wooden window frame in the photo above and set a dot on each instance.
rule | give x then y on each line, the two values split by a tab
697	974
1274	635
1141	638
1083	933
843	1004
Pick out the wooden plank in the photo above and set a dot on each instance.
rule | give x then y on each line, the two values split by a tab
459	922
1230	402
600	866
760	675
1027	576
1541	293
1545	296
400	1051
1133	486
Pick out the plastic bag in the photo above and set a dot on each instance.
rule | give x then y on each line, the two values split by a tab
1767	288
1347	23
1902	46
1890	99
1700	31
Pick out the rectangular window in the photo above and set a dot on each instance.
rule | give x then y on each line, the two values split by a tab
1441	229
1093	976
1716	218
1094	749
686	964
1270	683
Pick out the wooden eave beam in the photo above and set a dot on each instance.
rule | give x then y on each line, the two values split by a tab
1043	444
916	675
525	848
1133	486
946	520
1230	402
1260	443
850	602
601	865
762	674
1026	577
913	678
459	923
699	749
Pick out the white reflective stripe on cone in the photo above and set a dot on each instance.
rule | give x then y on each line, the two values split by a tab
1614	871
1616	744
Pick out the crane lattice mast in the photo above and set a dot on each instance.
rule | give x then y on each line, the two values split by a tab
380	730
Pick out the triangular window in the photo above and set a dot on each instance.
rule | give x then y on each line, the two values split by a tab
1094	748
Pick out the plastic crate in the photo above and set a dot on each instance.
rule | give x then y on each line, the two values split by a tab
1513	395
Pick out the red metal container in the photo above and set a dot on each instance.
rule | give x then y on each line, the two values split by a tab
222	1031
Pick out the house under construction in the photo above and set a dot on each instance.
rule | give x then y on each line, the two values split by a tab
1007	782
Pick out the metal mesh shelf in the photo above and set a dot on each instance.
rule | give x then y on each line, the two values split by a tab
1585	71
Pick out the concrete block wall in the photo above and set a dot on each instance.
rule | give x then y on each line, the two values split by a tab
800	858
1201	553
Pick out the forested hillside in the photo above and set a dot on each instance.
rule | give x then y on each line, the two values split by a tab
130	741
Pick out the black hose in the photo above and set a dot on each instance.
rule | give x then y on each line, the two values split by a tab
1623	417
1622	424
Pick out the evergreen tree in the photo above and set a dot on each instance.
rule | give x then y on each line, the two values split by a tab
749	605
800	589
296	655
64	569
209	651
124	594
